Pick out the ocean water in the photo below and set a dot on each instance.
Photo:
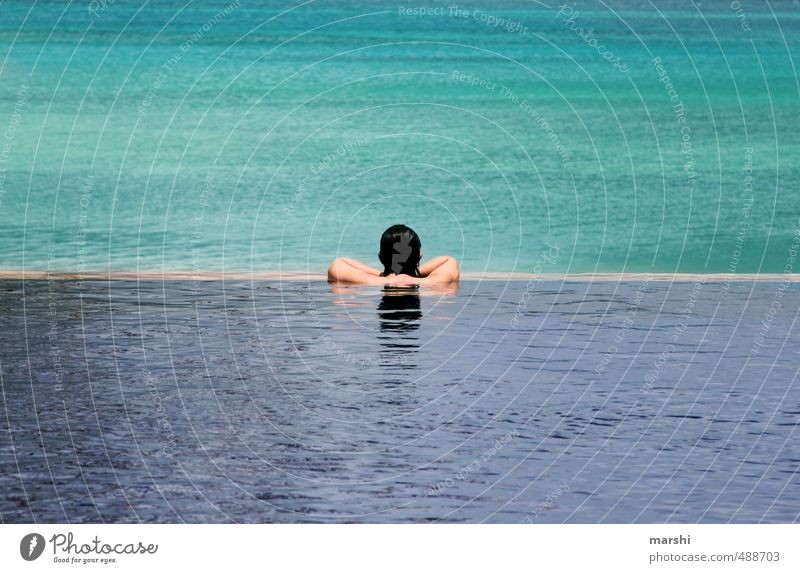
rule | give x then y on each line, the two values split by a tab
498	401
633	135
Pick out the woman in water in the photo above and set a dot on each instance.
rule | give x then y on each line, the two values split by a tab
400	254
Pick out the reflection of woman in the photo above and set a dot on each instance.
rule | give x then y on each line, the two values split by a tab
400	253
399	309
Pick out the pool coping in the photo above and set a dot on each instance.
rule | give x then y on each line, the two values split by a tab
309	277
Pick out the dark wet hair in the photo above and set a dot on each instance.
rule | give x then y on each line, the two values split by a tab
400	251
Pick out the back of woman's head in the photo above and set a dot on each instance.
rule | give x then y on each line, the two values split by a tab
401	251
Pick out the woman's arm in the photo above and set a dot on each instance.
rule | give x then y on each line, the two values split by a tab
439	270
361	266
343	270
427	268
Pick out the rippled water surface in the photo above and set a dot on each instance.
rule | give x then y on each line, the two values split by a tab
499	401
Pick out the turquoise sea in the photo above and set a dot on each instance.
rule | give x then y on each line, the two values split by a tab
631	135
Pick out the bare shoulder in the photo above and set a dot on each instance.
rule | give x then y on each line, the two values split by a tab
442	269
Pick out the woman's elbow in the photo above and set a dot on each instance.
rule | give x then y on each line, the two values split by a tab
335	270
453	265
448	270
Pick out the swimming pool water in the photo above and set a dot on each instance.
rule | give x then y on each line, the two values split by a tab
501	401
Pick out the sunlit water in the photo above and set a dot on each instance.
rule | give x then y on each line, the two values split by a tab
500	402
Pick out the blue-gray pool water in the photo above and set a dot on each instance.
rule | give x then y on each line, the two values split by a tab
503	401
